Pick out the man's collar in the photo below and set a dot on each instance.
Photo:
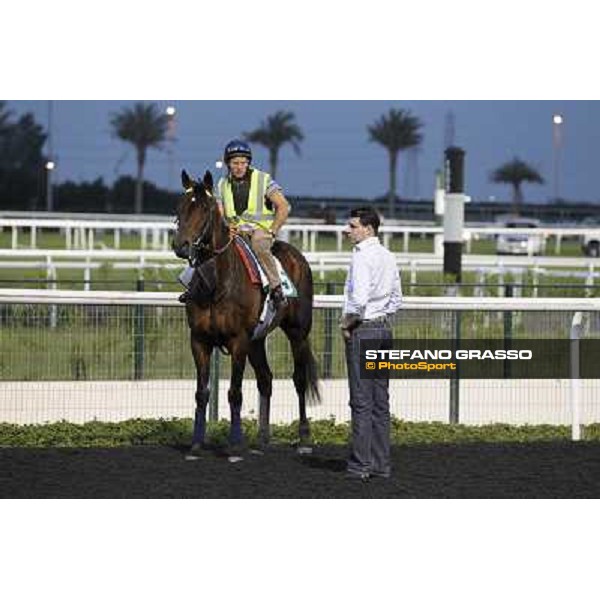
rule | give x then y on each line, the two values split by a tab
370	241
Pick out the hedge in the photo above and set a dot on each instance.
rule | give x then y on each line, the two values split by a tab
178	432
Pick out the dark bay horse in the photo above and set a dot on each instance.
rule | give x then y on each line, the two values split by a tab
228	318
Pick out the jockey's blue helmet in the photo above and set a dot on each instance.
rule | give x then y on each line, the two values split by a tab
237	148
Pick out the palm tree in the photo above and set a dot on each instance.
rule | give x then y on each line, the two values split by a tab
516	172
144	126
5	115
277	130
396	131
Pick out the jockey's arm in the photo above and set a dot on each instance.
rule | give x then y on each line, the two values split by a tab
281	209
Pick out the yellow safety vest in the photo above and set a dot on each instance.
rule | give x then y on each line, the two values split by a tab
256	212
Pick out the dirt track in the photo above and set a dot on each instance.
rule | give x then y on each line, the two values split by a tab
543	470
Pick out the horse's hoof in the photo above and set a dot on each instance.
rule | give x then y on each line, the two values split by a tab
190	456
235	459
194	453
304	450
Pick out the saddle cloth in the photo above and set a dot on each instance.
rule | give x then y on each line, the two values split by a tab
258	277
256	272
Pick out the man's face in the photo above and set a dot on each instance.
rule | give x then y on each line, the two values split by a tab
356	232
239	167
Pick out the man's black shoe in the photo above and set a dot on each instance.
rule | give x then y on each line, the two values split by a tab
380	474
357	476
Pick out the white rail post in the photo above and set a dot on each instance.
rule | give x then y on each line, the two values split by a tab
589	280
386	239
87	275
576	326
51	277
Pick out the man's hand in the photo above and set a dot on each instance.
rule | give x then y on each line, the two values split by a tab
348	324
233	229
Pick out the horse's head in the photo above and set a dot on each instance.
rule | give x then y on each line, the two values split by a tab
194	217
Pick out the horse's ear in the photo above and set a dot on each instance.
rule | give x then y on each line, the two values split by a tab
208	181
186	182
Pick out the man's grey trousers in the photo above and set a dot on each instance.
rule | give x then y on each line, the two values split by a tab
369	404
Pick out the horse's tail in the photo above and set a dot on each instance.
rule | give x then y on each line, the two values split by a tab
311	376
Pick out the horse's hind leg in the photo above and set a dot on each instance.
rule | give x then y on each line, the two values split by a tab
201	353
305	381
264	382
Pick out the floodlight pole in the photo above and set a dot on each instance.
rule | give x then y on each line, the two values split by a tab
454	216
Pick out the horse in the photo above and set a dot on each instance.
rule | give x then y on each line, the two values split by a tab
228	318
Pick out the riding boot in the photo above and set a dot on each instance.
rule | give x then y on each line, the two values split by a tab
278	297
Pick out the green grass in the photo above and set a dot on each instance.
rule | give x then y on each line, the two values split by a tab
70	343
98	343
161	279
326	242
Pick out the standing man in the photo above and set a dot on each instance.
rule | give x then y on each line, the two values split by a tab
371	296
254	204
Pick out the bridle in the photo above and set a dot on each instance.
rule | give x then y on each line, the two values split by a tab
201	246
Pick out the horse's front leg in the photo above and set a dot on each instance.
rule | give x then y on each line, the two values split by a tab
239	352
264	382
201	352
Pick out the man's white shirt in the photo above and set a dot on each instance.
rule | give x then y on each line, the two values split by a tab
373	287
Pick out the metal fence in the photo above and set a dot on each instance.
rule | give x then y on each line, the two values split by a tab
110	356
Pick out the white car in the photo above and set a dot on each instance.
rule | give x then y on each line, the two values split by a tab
520	243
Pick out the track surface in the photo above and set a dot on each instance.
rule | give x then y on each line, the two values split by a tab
541	470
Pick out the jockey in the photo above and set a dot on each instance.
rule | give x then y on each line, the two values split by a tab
254	205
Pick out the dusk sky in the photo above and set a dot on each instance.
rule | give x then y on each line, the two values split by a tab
336	156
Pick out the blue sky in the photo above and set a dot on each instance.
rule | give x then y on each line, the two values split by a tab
337	158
